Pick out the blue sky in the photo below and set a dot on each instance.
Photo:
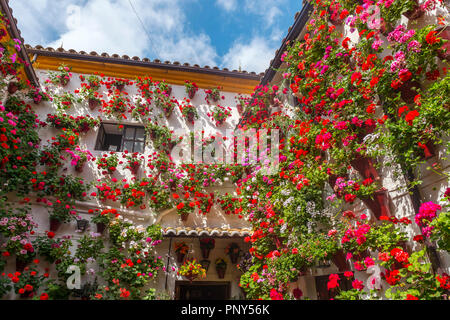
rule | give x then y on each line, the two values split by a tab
224	33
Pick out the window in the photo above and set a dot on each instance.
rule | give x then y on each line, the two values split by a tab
111	138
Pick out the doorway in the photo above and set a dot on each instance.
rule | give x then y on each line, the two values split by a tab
202	290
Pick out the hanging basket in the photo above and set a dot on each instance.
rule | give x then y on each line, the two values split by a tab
234	257
379	203
79	167
340	261
429	150
240	108
54	224
361	255
63	82
365	167
134	169
190	117
120	86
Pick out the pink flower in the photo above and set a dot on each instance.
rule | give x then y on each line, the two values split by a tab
357	284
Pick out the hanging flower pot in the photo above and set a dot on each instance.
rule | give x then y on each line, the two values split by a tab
190	117
54	224
135	167
80	166
379	203
180	257
20	265
191	93
13	87
444	51
100	227
120	86
408	91
429	150
340	261
415	13
361	255
205	253
365	167
84	127
184	216
220	273
205	264
64	81
240	108
93	103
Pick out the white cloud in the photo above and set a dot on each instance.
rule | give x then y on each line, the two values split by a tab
111	26
228	5
254	56
269	10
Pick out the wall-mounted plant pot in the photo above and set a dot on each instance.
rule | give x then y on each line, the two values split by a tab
64	82
13	87
190	117
415	13
120	87
20	265
409	91
365	167
54	224
153	134
379	203
205	264
234	257
169	91
191	93
385	28
84	128
79	167
168	112
93	103
82	224
361	255
134	169
429	151
221	272
184	216
100	227
240	108
205	253
180	257
444	51
340	261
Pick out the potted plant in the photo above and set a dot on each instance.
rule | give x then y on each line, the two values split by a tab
365	167
120	84
38	95
220	114
108	163
65	100
164	88
28	282
181	249
213	94
221	267
188	111
206	245
61	213
378	203
184	209
62	77
233	251
102	219
133	161
191	269
191	89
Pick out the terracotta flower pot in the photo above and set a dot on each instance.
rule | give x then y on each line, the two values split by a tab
120	87
240	108
379	205
93	103
365	167
234	257
79	167
54	224
100	227
428	150
13	87
84	128
340	261
444	51
220	273
361	256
